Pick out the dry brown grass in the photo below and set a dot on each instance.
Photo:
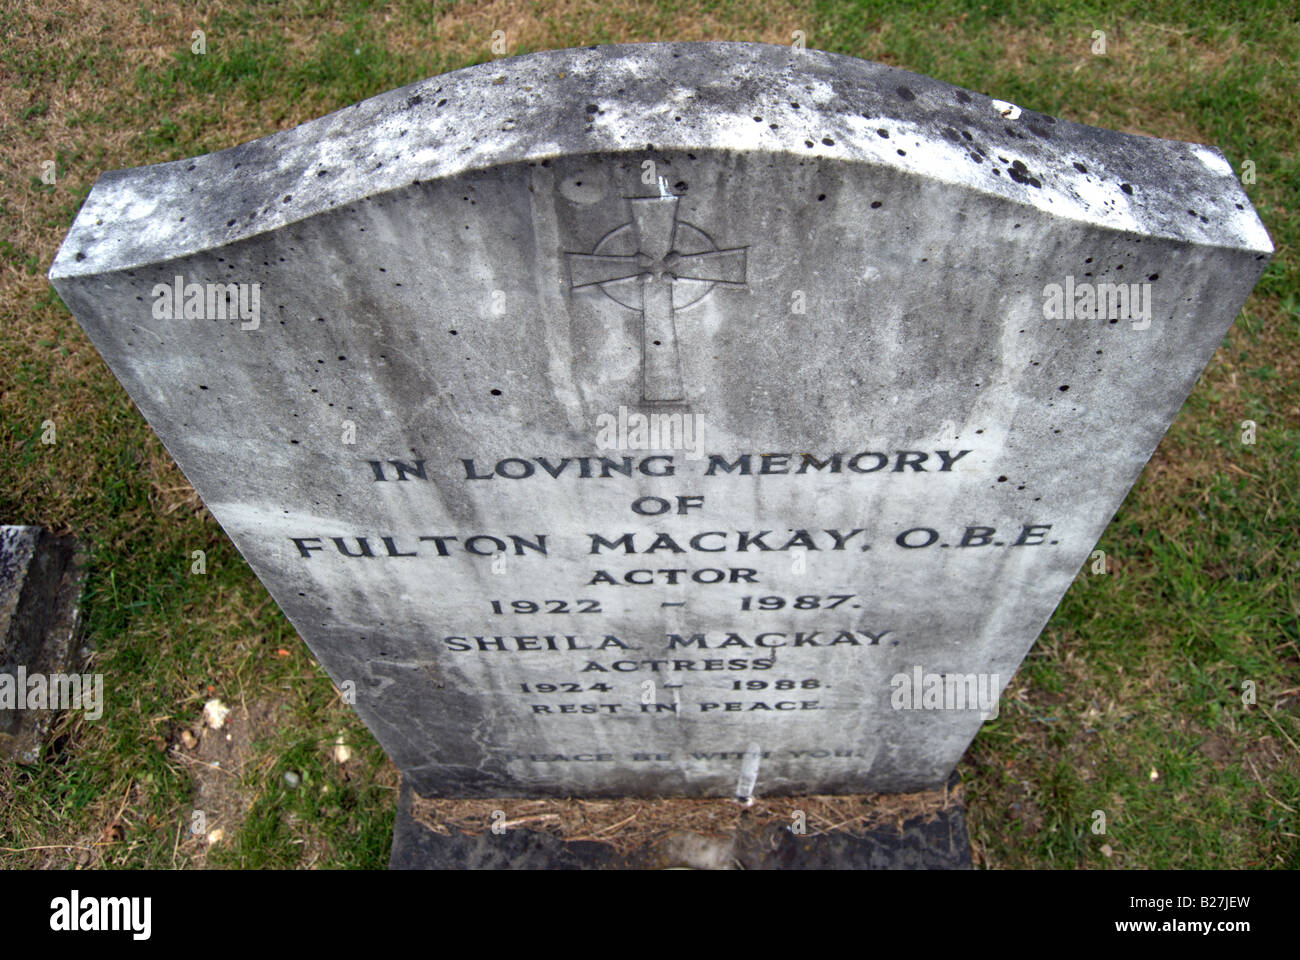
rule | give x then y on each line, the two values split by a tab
536	25
632	823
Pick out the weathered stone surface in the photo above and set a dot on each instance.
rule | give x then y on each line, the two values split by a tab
40	586
840	273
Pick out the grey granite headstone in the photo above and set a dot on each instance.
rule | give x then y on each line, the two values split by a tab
904	350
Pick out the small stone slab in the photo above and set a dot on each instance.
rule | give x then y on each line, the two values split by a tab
41	576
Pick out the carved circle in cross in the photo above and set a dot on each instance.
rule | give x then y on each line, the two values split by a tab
686	240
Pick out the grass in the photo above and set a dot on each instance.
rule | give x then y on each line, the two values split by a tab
1131	703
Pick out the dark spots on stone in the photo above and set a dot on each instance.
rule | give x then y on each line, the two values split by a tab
828	141
883	132
1240	207
808	144
202	387
453	332
294	442
677	119
1127	188
414	101
495	392
1087	260
1021	174
1080	167
758	119
905	93
230	223
793	104
191	166
81	255
681	186
342	358
875	204
1191	213
996	172
979	431
442	102
1002	479
287	198
1099	353
1153	277
1063	387
1003	159
1204	219
966	134
902	153
977	158
1038	131
774	126
326	173
592	108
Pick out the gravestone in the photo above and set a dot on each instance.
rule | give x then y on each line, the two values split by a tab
41	575
667	419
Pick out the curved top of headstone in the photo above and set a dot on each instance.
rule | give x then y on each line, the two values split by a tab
666	97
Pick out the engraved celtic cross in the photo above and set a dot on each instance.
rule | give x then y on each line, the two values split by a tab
657	265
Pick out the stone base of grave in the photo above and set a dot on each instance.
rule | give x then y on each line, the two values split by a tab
934	838
40	587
